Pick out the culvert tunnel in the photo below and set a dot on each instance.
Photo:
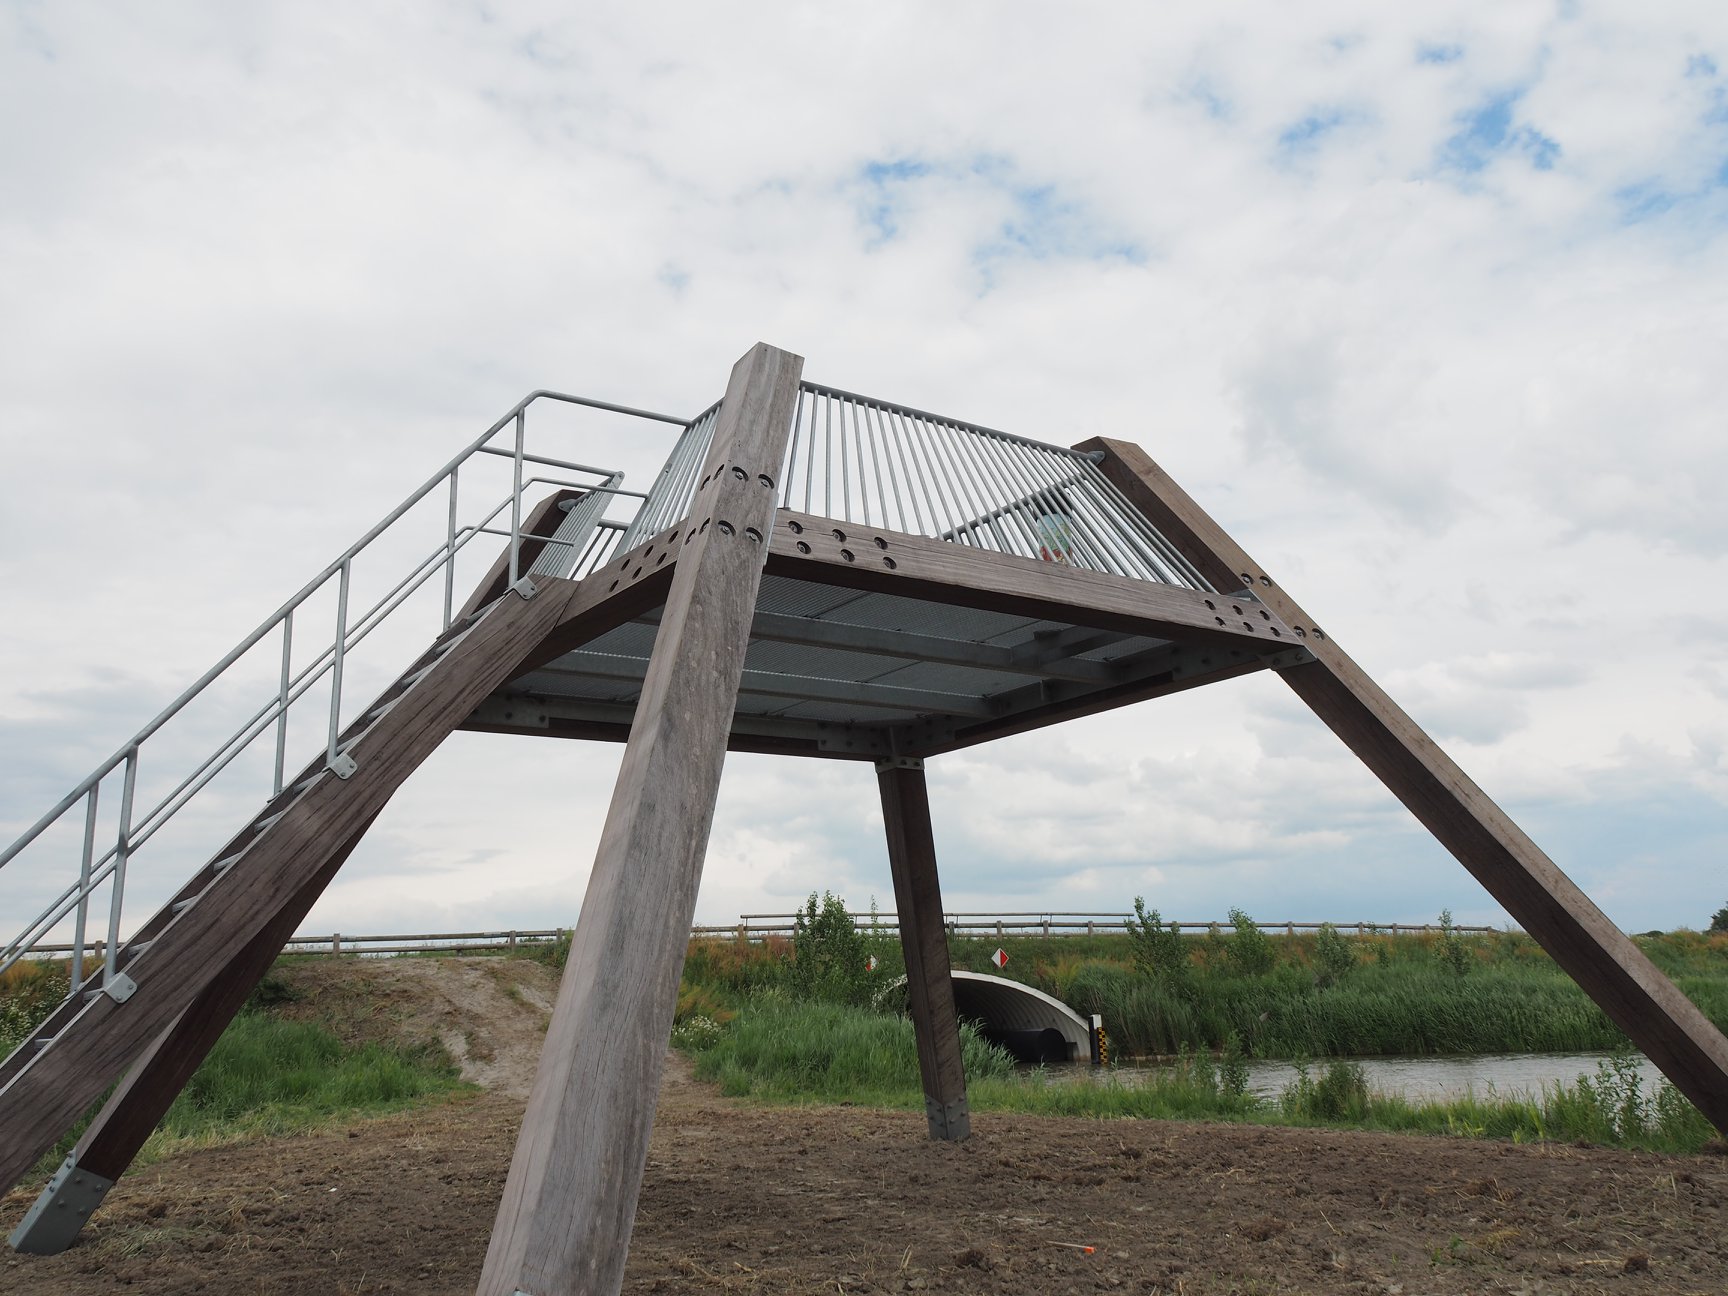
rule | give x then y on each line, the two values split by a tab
1031	1025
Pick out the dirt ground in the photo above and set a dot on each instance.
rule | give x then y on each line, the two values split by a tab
843	1200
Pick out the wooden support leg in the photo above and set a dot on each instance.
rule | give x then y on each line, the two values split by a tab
141	1100
90	1042
929	981
569	1203
1611	969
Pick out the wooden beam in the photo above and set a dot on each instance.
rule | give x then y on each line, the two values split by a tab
142	1099
818	549
542	520
547	716
100	1035
929	979
1545	902
570	1199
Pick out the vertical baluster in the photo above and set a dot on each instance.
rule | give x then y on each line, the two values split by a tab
1095	548
896	439
936	459
868	425
785	487
810	452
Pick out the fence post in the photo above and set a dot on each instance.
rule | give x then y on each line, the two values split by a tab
512	940
336	943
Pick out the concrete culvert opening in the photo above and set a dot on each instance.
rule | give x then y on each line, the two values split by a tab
1031	1025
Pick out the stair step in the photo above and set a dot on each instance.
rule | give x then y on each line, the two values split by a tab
223	865
181	906
267	823
45	1040
133	950
306	783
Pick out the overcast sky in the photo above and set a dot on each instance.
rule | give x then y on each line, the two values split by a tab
1428	310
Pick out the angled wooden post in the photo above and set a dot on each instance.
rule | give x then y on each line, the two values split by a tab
570	1200
1612	970
929	980
139	1102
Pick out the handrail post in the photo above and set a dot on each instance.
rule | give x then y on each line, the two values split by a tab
282	702
122	848
336	663
79	928
516	500
450	552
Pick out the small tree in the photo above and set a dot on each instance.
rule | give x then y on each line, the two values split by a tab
1158	950
1719	921
830	956
1250	949
1454	953
1333	956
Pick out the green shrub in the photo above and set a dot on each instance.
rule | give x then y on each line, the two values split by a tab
1454	953
1158	950
1341	1093
1333	956
29	992
1718	920
1249	949
830	956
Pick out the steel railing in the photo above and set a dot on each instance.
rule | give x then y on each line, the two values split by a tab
877	464
312	671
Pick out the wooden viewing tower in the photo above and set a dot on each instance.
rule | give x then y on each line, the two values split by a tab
813	573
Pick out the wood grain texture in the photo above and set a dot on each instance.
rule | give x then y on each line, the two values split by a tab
44	1096
542	520
142	1099
923	937
816	549
1615	973
569	1202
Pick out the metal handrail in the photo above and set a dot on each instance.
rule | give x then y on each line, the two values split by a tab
582	542
866	461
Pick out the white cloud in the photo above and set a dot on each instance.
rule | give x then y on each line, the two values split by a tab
1447	359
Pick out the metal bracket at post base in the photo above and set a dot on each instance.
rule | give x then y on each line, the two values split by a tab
53	1223
949	1122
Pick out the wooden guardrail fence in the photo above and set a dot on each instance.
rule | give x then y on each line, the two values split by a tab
756	927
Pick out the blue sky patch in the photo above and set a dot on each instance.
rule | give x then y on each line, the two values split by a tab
1427	52
884	194
1307	134
1487	132
1041	223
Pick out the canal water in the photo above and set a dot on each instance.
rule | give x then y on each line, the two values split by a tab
1422	1079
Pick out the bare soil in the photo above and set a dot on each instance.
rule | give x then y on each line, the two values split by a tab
842	1200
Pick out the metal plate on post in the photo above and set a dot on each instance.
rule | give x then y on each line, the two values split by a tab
950	1121
51	1225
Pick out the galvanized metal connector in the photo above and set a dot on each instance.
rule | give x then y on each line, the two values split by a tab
949	1122
53	1223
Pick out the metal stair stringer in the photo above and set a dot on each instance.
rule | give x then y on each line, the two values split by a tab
67	1063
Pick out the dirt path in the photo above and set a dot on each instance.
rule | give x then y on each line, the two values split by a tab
842	1200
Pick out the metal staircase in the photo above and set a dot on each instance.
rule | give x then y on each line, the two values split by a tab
107	853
